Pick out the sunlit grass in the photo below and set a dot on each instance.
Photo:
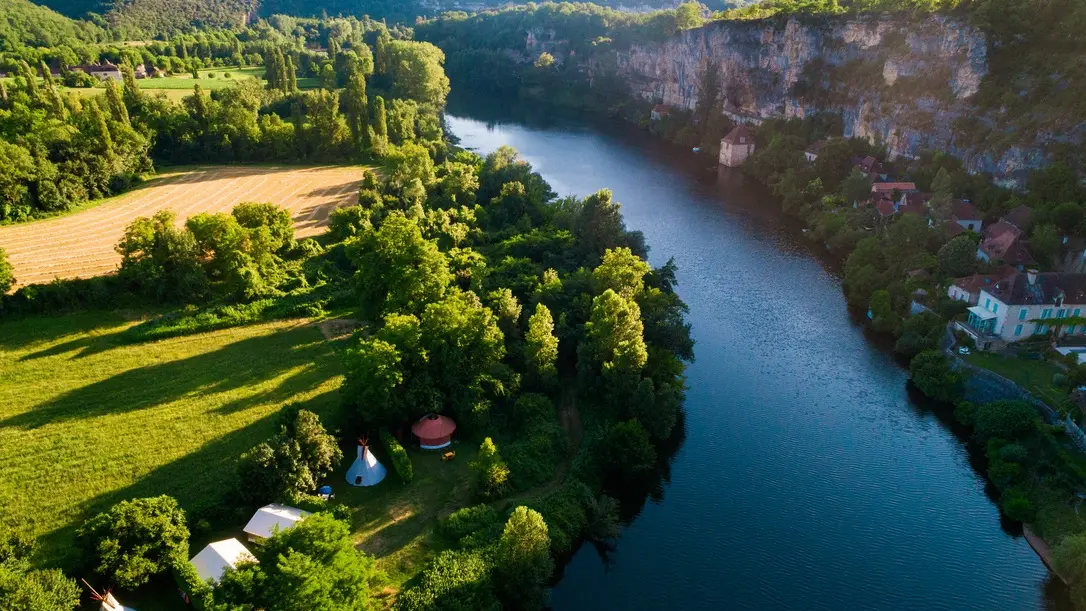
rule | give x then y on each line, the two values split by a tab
86	421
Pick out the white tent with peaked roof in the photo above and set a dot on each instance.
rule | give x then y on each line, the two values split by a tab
366	470
271	518
110	604
213	560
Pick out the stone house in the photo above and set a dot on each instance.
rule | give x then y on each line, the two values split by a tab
737	146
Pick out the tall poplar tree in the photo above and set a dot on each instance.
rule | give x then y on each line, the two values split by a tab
354	100
380	117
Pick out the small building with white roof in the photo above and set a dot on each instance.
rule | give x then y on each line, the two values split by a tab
270	519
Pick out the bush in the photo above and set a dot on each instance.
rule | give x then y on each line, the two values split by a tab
1017	505
401	462
965	412
534	457
135	540
7	273
932	374
454	581
471	525
184	574
227	75
491	472
1008	420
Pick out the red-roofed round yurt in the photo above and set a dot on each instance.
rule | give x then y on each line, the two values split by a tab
434	431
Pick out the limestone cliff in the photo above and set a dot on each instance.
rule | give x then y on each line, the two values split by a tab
909	83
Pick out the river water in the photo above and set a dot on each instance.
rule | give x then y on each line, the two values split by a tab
810	477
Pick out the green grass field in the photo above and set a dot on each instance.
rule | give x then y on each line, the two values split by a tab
178	86
87	421
1034	376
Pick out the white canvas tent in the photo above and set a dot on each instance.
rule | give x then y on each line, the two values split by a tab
270	518
110	604
213	560
366	470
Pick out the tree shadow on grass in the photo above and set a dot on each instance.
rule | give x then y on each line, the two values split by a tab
23	332
233	366
201	481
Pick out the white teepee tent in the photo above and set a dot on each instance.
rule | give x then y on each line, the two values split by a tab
365	471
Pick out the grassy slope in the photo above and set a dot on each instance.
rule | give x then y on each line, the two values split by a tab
86	421
1034	376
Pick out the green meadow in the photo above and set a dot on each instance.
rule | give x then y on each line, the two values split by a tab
87	420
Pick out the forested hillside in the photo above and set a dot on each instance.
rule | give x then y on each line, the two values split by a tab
22	21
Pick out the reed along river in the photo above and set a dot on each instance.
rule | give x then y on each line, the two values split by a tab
810	477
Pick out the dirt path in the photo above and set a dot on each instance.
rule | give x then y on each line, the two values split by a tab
81	244
335	328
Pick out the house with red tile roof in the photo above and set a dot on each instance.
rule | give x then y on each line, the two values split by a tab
660	111
968	288
889	187
1004	242
870	166
1021	217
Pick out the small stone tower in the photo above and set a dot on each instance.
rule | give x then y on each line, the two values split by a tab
736	146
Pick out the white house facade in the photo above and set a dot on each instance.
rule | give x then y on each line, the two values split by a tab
1019	306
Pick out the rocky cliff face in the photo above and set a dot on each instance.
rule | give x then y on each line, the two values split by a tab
908	84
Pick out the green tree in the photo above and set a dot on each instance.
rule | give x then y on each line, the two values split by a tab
1069	556
25	589
116	104
357	109
491	472
1068	217
614	335
541	346
1044	244
7	273
290	78
625	451
313	565
292	462
523	563
380	118
328	76
932	374
159	260
398	269
621	271
135	540
958	257
856	188
688	15
883	317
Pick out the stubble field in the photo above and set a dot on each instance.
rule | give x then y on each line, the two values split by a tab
82	244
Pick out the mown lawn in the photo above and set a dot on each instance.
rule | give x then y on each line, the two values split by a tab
87	421
1034	376
395	522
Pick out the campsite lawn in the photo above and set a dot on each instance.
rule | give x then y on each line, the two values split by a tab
87	420
394	521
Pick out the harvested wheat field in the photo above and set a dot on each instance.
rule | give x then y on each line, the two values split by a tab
81	244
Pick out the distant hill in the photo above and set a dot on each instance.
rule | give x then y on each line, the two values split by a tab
149	18
24	22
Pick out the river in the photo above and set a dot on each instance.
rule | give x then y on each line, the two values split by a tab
810	477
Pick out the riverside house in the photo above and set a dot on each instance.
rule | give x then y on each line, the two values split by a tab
1021	304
